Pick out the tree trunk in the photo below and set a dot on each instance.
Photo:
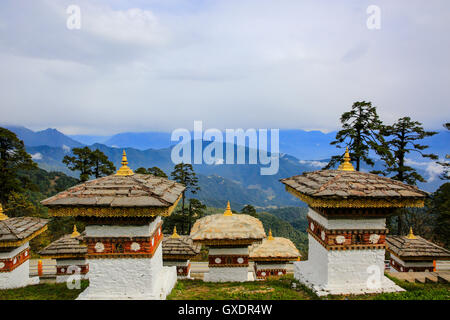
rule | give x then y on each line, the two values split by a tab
182	213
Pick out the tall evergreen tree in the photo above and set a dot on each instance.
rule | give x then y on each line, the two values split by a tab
101	166
13	158
440	206
80	161
361	133
184	174
403	137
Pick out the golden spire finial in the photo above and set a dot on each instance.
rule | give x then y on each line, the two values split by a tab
411	234
2	215
298	258
175	235
228	210
75	232
346	165
270	235
124	169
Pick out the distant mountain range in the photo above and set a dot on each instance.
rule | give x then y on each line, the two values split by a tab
242	184
306	145
48	137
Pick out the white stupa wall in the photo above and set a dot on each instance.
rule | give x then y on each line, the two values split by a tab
344	271
128	278
225	274
20	276
122	230
72	264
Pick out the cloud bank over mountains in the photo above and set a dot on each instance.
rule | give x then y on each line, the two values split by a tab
159	65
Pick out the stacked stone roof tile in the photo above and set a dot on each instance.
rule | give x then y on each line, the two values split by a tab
277	248
64	246
221	227
20	228
137	190
404	247
182	246
348	184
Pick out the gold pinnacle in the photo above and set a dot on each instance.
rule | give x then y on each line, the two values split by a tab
346	165
2	215
270	235
75	232
124	169
228	210
411	234
175	235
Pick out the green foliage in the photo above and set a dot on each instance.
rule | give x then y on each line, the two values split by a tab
196	210
440	206
361	133
271	289
46	291
184	173
250	210
89	163
101	166
403	138
157	172
13	157
281	228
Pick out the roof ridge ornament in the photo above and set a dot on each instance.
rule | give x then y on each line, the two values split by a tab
228	211
346	165
75	232
411	234
270	237
175	235
2	215
124	169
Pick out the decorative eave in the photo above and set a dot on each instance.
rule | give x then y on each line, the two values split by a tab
18	243
97	211
176	257
64	256
227	242
274	259
360	202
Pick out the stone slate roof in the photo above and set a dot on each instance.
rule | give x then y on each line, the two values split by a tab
182	246
276	248
137	190
234	227
15	230
403	247
65	246
347	184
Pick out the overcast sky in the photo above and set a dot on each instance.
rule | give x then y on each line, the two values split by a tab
159	65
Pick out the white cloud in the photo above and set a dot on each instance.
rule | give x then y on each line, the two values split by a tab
66	148
313	163
433	169
36	156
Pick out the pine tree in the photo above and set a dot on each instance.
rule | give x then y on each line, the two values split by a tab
81	161
101	166
403	138
361	133
184	174
13	158
440	206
